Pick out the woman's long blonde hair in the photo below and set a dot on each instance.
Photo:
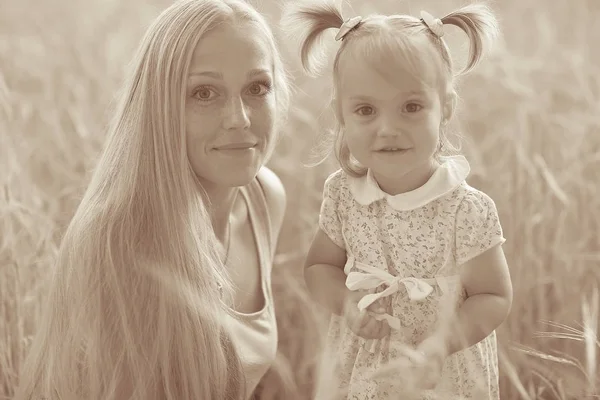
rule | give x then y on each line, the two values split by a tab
133	310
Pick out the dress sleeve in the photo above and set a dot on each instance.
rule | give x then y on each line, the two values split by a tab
478	227
329	217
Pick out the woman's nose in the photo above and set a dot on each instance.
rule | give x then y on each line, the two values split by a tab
236	115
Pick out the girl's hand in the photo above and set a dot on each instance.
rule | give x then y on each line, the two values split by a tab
360	322
433	352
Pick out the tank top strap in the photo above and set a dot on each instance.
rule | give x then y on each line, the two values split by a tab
257	206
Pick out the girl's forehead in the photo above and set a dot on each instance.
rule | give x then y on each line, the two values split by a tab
377	74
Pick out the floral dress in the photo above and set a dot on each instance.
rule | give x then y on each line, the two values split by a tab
407	250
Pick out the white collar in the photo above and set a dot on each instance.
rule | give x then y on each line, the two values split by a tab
448	176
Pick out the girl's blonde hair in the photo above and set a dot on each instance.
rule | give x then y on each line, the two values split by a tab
397	36
133	310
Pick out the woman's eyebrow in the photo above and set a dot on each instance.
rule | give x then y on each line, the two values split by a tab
219	75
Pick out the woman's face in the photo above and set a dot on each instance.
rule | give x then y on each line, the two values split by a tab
230	105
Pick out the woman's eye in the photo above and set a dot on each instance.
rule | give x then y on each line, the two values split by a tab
365	110
259	89
204	94
413	107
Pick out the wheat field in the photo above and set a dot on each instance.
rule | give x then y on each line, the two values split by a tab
530	117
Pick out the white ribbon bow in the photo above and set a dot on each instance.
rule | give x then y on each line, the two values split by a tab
372	277
417	289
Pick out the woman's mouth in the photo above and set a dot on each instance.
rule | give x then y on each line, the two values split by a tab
237	146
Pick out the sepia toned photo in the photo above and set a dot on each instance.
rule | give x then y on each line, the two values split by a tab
299	200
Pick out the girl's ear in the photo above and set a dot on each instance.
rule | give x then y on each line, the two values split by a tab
449	107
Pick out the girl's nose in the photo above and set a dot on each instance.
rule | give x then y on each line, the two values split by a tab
389	127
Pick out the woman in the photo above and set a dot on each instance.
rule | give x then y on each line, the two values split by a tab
162	283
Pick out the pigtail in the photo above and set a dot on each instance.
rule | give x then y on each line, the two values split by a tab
481	26
307	22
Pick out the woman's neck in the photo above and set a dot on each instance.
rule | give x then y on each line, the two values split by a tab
221	203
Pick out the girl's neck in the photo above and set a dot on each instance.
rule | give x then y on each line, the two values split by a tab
410	181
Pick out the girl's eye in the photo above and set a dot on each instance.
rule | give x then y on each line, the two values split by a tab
365	111
413	107
204	93
260	88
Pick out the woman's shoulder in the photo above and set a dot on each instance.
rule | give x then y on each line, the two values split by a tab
275	195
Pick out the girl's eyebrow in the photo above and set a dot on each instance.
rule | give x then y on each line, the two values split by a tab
369	98
361	98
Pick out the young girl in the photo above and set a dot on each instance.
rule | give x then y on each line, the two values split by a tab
399	220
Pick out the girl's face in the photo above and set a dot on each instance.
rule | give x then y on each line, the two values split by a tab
391	125
230	106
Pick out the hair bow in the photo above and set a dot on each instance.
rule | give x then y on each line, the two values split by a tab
435	25
347	26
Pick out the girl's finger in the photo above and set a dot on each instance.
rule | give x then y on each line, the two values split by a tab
371	324
384	330
357	323
377	307
365	330
363	318
372	329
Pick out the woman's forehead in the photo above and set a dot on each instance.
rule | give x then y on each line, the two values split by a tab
242	47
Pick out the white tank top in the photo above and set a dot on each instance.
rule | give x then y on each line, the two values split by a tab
255	334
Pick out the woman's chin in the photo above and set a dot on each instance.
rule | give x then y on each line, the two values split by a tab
232	174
